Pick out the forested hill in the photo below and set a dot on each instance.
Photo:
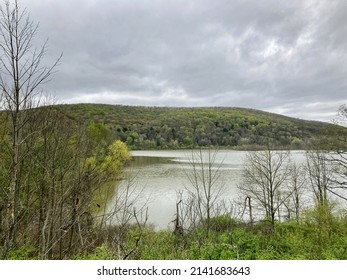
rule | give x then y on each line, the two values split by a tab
166	127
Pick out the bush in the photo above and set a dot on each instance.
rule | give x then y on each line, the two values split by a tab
25	252
223	223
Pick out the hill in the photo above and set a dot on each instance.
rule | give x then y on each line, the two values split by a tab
167	127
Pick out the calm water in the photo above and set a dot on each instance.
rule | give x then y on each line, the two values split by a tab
155	178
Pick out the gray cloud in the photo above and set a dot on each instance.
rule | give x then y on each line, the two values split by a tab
287	57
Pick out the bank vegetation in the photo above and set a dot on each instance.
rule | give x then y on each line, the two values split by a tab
59	163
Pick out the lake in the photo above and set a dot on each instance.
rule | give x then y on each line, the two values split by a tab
155	177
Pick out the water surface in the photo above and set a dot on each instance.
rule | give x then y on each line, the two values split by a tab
157	177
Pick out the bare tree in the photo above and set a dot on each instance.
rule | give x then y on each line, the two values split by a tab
296	186
320	175
204	198
21	75
338	181
337	157
127	213
328	160
264	176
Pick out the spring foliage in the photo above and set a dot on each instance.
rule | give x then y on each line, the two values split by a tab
159	127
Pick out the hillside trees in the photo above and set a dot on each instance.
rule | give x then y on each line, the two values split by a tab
156	127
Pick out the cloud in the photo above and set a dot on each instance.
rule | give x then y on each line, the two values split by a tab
281	56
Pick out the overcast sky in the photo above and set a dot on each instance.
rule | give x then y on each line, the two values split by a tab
287	57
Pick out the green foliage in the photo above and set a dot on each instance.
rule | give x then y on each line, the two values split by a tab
292	240
64	166
70	161
107	167
100	253
117	155
306	239
98	131
223	223
157	127
162	245
25	252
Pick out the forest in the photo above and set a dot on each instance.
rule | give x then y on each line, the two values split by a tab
59	164
170	128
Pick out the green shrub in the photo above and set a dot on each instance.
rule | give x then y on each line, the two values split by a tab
223	223
25	252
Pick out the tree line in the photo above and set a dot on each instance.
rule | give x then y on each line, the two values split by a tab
55	169
171	128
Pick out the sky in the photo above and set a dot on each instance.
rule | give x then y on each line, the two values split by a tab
286	57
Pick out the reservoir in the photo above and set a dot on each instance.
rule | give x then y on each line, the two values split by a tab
155	178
